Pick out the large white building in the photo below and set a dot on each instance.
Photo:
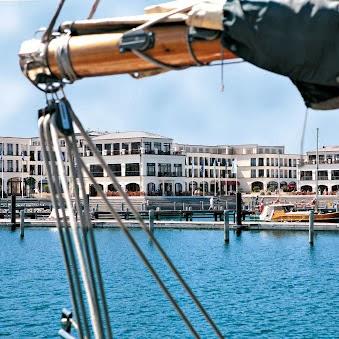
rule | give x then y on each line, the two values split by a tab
151	164
328	170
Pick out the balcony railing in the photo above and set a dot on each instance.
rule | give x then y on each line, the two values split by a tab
97	174
334	177
306	178
170	174
132	173
322	177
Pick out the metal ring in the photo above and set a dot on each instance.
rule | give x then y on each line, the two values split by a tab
63	60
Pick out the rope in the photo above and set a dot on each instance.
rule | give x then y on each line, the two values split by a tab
88	241
302	140
93	9
140	252
163	16
191	51
142	224
82	235
49	29
65	238
156	62
86	277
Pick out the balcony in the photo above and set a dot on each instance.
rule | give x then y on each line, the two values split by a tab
334	177
322	177
132	173
97	174
306	178
170	174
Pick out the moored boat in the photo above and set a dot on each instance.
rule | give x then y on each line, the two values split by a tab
287	212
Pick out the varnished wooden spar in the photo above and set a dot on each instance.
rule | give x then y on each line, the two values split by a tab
99	54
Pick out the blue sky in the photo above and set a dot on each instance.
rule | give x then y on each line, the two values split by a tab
256	106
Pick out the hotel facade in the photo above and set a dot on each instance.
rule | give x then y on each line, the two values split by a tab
151	164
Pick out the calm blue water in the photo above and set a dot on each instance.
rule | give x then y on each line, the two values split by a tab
263	284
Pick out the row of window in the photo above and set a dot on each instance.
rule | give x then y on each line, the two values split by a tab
273	173
209	173
322	175
133	169
274	162
132	148
208	161
232	150
14	166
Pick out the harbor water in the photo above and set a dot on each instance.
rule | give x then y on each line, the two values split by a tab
262	284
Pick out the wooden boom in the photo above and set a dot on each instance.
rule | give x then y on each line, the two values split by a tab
94	48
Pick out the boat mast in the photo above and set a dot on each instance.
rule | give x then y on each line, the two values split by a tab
316	172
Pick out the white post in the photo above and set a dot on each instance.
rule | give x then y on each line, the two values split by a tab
311	228
22	178
236	178
219	179
226	177
192	175
203	178
2	174
316	173
215	177
278	174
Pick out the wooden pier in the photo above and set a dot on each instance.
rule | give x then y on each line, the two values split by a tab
181	215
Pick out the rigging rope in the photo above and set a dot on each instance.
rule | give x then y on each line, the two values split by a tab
93	9
117	186
82	236
63	229
302	140
46	36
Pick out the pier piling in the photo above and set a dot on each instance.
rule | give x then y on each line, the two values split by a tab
22	224
311	228
226	227
239	209
13	213
151	220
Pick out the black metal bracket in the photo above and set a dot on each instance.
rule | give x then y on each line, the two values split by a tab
137	40
203	34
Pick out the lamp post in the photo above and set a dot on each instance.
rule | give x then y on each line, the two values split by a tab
2	170
22	174
316	173
219	178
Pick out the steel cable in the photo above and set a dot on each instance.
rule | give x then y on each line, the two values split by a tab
142	224
65	238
